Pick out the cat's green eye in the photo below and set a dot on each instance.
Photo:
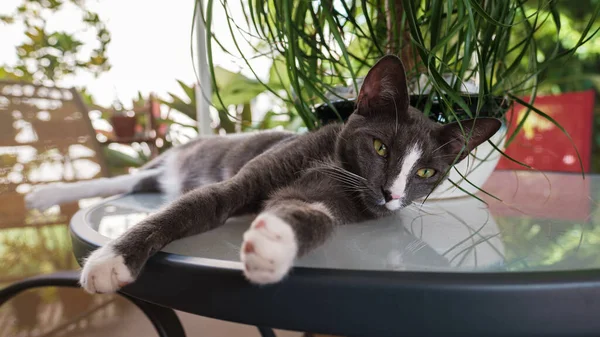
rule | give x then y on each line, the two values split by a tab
426	173
380	148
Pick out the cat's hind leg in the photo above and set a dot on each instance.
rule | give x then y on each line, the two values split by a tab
286	229
48	195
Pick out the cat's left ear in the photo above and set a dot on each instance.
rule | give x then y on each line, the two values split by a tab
384	88
474	132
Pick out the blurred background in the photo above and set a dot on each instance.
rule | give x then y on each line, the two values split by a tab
97	88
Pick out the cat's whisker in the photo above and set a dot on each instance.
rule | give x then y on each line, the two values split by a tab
349	183
331	165
356	189
333	169
352	181
344	171
343	177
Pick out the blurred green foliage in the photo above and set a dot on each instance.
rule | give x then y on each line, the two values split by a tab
47	56
236	114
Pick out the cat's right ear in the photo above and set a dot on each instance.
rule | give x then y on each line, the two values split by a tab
459	139
384	89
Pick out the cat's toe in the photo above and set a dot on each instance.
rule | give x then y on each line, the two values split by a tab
105	271
268	250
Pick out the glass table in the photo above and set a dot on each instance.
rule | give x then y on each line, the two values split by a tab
524	259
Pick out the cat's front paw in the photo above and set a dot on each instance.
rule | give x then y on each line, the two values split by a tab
105	271
268	250
42	197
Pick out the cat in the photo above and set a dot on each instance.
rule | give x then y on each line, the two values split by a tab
385	156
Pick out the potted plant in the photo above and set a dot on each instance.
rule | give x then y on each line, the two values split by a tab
123	122
237	92
464	59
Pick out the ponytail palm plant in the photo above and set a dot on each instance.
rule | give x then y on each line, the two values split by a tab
464	58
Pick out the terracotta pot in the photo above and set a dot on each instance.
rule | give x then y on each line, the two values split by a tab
123	126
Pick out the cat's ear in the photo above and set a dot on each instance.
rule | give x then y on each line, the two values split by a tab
474	132
384	88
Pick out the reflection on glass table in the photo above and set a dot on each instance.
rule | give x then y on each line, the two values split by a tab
528	222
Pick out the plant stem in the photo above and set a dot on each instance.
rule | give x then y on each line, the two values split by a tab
399	40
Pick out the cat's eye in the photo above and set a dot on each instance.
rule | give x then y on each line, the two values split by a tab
380	148
426	173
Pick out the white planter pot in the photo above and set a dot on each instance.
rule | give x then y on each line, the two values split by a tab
476	168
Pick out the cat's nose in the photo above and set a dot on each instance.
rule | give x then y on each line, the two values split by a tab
387	195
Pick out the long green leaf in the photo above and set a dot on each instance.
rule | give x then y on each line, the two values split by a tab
340	41
477	7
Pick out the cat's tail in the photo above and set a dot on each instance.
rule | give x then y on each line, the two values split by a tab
45	196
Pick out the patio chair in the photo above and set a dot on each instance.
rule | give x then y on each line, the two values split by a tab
46	136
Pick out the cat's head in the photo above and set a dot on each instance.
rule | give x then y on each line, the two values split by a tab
401	153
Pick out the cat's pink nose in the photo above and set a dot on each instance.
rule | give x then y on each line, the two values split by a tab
395	196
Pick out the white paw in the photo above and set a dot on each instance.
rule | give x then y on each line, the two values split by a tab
268	250
105	271
42	197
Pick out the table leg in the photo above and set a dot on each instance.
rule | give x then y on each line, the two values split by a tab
164	320
266	332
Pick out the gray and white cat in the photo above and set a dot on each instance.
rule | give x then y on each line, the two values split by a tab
385	156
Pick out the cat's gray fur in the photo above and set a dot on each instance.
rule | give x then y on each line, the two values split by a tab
311	182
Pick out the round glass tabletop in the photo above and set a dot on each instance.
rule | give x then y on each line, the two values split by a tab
525	221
